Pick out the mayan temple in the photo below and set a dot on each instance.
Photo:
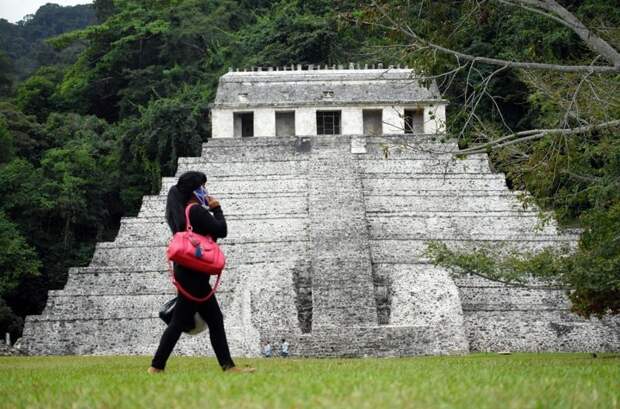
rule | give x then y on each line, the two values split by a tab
333	180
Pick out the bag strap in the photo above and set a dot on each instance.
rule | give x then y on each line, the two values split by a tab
186	293
188	225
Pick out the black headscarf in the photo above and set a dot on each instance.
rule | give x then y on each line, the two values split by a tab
178	197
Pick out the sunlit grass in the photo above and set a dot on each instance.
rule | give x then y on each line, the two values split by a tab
474	381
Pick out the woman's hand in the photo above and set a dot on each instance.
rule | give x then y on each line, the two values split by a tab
212	202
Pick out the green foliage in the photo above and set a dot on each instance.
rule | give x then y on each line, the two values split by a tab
9	321
35	96
18	260
7	150
6	76
293	32
24	131
62	201
23	42
144	53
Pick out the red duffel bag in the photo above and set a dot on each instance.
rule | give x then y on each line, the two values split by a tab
196	252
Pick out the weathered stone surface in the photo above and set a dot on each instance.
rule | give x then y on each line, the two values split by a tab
529	330
327	249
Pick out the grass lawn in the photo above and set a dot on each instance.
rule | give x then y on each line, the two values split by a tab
473	381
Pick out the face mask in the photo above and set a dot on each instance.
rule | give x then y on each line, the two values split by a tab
201	194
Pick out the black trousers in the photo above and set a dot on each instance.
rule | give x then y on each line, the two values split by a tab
183	320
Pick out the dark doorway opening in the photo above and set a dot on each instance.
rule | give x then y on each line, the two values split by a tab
285	123
244	124
373	121
414	121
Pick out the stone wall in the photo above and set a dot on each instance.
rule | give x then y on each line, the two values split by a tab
326	248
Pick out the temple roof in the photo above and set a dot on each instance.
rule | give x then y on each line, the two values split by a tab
322	87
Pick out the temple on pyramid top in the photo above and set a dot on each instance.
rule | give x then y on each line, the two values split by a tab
336	101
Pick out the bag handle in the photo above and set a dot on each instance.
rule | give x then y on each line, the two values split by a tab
188	225
186	293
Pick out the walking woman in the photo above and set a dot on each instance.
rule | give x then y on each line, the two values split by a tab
206	218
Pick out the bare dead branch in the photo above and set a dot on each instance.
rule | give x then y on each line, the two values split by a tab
534	134
517	3
594	42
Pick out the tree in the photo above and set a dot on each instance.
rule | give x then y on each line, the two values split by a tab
36	95
6	80
151	144
18	260
24	132
563	147
6	141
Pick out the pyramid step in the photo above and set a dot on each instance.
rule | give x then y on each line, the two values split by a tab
248	143
412	251
153	256
249	230
370	166
396	152
222	155
391	151
281	205
383	224
294	204
124	281
470	225
513	298
242	169
383	341
84	281
444	202
250	185
452	182
531	330
427	143
270	288
130	336
290	151
423	166
295	183
409	225
240	152
117	306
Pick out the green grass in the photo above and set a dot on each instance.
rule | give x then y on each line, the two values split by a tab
474	381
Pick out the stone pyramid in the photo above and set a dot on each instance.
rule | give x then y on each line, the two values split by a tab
326	249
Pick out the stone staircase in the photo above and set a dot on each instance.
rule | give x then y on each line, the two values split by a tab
326	249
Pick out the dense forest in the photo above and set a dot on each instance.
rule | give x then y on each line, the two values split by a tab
23	42
92	118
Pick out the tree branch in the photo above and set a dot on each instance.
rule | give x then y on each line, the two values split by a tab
408	31
533	134
565	17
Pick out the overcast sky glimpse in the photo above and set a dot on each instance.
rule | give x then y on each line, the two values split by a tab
15	10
